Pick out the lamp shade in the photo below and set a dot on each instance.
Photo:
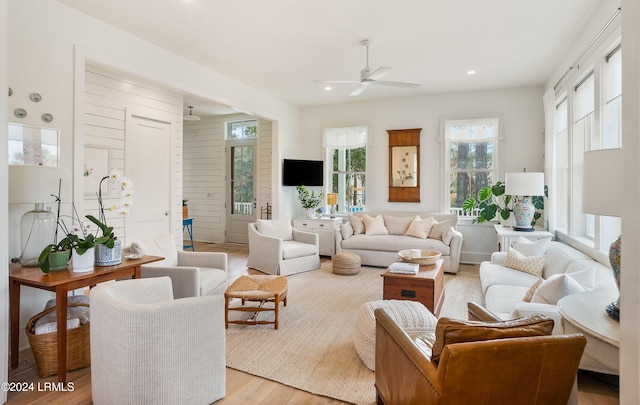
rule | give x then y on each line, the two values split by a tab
602	182
524	183
332	199
30	184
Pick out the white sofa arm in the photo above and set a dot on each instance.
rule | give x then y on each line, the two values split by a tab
306	237
337	236
184	280
215	260
454	251
498	257
533	308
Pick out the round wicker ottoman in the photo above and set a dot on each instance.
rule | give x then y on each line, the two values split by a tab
411	316
346	263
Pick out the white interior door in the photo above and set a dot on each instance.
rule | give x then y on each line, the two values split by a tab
148	164
241	203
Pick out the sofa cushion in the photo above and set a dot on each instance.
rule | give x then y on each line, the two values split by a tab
212	281
556	287
451	331
528	264
374	226
396	225
438	228
558	258
292	249
393	243
346	230
356	224
500	299
496	274
275	228
529	248
420	228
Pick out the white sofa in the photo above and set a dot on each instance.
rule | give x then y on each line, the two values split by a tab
504	288
382	250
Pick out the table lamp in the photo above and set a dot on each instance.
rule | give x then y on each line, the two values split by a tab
524	185
602	195
332	200
36	185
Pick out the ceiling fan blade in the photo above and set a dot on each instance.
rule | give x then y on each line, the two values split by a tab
363	86
379	73
396	84
336	81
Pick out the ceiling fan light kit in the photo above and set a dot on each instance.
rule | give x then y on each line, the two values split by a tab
191	117
367	77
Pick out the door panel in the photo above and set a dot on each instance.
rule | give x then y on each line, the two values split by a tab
148	162
241	203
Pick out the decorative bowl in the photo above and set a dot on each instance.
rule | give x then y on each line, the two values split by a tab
426	257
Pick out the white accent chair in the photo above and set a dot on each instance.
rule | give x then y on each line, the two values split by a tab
193	274
147	348
275	247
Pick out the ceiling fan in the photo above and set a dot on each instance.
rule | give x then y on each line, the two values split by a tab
368	78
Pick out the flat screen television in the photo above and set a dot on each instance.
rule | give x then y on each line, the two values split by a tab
302	172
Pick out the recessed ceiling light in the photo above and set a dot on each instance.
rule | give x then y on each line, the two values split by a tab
327	88
471	72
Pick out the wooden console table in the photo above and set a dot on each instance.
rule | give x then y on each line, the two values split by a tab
61	282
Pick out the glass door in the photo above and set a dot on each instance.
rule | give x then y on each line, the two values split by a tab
241	205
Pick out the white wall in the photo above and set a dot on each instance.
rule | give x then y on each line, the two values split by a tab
523	147
4	214
48	44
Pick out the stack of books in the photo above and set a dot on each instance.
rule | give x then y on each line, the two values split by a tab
404	268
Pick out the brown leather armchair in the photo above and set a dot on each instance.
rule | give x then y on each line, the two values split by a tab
524	370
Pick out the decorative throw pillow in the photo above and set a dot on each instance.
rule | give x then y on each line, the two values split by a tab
518	261
555	287
529	248
450	331
448	235
374	226
583	273
438	228
346	230
396	225
276	228
420	228
356	224
529	295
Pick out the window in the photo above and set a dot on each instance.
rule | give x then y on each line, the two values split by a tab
561	166
471	146
347	153
246	129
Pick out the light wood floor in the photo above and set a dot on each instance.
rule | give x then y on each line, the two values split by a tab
243	388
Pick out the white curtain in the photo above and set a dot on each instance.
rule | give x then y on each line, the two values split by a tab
345	137
549	102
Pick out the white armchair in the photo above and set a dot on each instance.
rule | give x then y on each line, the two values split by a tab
275	247
147	348
192	274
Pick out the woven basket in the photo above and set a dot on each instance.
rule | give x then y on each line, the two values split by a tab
45	346
426	257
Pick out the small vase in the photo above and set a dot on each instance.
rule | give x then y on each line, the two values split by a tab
84	262
59	260
311	212
109	256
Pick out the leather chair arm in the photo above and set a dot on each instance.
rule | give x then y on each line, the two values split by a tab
476	312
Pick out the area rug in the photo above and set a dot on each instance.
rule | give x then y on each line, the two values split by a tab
313	348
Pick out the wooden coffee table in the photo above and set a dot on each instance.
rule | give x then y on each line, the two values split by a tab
426	287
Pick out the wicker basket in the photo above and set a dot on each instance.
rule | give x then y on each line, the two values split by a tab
45	346
426	257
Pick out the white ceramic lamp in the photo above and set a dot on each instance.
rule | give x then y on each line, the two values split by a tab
35	185
602	195
523	186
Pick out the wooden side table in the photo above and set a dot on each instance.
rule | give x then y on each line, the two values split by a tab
585	313
507	236
426	287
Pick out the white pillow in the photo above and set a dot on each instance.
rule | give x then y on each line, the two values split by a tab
528	264
551	290
420	228
346	230
374	226
276	228
356	224
529	248
447	236
438	228
396	225
585	277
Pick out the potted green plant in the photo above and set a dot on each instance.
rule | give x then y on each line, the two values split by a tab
492	202
56	255
309	200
